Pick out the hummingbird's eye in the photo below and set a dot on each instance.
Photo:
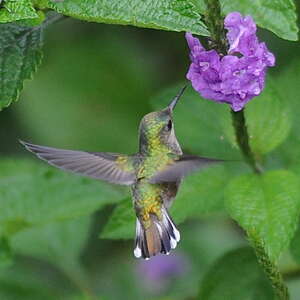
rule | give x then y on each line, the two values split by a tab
169	125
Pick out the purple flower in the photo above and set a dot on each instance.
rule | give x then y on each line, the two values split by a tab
236	77
161	269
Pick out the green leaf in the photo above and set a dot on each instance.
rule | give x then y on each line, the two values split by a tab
295	246
201	125
33	193
235	276
268	205
268	120
200	194
121	224
13	10
20	55
287	82
58	243
278	16
5	253
162	14
23	281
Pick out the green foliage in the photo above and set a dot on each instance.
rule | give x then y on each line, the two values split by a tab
56	243
32	194
20	55
278	16
166	14
59	244
287	80
268	120
121	224
235	276
267	205
13	10
5	253
21	281
200	194
295	245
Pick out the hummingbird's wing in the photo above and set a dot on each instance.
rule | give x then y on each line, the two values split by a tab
186	164
111	167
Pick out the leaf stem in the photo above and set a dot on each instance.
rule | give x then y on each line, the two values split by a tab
242	138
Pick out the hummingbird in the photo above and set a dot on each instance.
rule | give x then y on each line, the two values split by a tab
154	175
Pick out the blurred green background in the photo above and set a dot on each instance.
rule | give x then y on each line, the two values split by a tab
93	87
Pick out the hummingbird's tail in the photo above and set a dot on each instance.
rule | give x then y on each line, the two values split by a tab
160	237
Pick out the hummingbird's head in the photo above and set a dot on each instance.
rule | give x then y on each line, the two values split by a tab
157	130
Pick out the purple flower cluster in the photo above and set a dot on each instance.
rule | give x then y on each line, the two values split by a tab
236	77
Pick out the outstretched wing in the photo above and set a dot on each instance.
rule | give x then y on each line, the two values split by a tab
181	167
111	167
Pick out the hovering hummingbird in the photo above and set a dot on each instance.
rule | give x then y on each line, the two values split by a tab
154	175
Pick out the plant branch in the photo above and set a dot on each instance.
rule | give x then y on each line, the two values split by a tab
242	138
215	23
270	268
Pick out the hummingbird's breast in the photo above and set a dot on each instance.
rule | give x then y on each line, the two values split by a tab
147	197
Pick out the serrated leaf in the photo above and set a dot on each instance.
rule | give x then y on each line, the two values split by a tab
32	193
268	205
200	194
200	125
278	16
235	276
268	119
162	14
14	10
20	55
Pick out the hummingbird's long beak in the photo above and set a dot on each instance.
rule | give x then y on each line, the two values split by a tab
173	103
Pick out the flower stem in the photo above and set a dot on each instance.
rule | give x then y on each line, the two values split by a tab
270	268
215	23
242	138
